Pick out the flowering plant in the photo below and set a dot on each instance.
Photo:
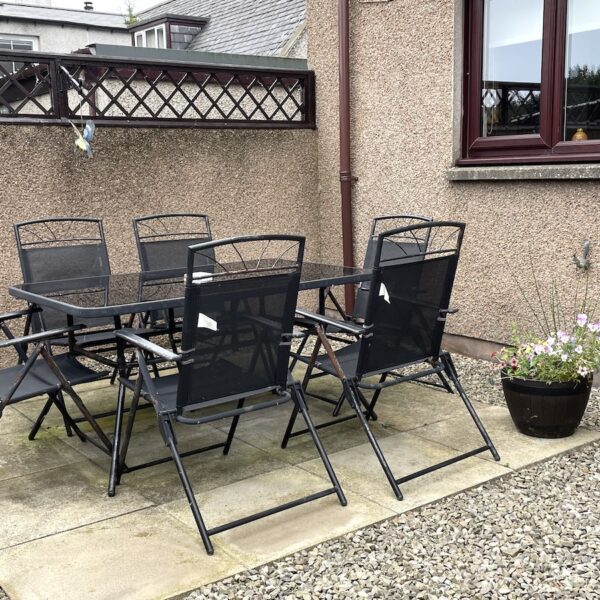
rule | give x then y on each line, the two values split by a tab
567	345
562	356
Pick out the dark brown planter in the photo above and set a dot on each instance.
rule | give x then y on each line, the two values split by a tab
546	410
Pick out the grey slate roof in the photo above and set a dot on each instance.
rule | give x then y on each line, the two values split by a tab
90	18
261	27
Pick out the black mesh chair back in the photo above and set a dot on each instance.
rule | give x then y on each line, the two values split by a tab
61	248
409	298
398	249
163	240
238	318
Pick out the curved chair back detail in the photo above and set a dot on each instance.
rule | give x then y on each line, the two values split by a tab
238	318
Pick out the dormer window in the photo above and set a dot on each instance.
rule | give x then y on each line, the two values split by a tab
167	31
153	37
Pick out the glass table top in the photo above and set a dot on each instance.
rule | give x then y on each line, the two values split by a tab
123	293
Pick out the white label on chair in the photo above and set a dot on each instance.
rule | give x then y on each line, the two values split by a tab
383	292
196	275
207	323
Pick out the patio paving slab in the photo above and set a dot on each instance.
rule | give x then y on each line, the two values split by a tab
14	422
19	456
266	432
146	555
207	471
48	502
409	406
289	531
516	450
359	471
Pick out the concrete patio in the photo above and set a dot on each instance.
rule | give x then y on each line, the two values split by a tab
62	537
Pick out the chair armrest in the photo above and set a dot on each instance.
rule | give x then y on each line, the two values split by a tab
147	345
323	320
38	337
17	314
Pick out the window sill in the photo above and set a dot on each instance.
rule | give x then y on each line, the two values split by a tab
525	172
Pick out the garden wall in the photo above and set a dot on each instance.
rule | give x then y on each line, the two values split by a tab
247	181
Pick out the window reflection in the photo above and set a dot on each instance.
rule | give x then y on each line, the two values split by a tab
512	67
581	118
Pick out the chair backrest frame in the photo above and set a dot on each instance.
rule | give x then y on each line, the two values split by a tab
62	256
238	321
179	240
362	291
409	299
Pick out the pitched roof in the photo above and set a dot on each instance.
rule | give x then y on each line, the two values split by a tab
85	18
260	27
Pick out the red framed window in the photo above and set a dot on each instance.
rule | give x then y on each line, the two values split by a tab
532	82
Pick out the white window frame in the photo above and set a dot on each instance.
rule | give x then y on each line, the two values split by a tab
12	38
143	36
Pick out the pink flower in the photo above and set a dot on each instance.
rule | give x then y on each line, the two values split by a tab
582	319
513	362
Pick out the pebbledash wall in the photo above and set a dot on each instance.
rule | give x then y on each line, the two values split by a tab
406	78
247	181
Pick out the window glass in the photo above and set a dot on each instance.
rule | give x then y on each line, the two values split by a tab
151	38
581	110
512	67
139	39
160	38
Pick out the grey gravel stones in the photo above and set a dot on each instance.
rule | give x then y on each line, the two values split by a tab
534	534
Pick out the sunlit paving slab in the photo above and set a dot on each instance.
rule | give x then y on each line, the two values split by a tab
145	555
285	532
516	450
360	472
40	504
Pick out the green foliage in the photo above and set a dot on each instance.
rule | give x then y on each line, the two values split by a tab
566	345
582	74
130	17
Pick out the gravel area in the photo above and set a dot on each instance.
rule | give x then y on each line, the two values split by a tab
534	534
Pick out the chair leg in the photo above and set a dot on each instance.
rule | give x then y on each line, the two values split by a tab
451	372
233	427
290	427
59	401
129	429
300	403
355	403
115	457
298	352
340	403
185	482
375	397
40	418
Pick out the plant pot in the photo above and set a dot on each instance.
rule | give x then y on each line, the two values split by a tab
546	410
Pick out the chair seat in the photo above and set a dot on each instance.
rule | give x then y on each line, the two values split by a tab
347	357
165	399
40	380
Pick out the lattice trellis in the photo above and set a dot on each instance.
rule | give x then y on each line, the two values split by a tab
511	108
153	93
26	90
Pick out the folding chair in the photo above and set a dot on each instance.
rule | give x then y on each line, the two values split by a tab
40	373
406	312
391	253
237	331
